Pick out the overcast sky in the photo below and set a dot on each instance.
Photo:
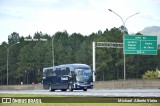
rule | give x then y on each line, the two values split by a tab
81	16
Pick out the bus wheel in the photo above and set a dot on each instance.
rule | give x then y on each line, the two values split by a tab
84	89
70	88
50	88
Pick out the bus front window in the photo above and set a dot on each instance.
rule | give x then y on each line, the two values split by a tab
83	75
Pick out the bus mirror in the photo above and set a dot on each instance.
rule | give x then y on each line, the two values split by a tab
94	72
72	73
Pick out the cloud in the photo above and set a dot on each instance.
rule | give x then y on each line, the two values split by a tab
81	16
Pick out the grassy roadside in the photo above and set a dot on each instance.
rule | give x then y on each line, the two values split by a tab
82	104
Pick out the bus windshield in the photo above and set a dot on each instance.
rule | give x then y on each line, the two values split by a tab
83	75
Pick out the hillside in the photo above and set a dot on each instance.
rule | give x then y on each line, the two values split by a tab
153	30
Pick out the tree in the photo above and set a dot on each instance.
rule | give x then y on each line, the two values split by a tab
61	44
27	59
13	38
3	65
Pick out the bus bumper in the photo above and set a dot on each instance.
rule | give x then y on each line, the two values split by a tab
80	86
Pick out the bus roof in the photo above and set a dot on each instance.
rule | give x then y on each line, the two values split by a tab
75	65
50	67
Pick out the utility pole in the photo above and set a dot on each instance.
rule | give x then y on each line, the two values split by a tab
124	29
8	60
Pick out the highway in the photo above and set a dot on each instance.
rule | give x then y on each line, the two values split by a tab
93	92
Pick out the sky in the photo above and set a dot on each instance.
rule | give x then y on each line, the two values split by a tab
26	17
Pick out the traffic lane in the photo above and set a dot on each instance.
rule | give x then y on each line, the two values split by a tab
101	92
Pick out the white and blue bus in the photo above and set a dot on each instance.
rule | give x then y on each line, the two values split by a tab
68	76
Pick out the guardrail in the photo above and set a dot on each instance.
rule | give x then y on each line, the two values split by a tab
22	87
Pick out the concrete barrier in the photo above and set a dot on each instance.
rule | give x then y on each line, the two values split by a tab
22	87
135	84
115	84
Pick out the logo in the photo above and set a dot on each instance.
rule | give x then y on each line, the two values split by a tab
20	100
6	100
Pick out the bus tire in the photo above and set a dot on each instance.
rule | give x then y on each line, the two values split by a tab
84	89
50	88
70	88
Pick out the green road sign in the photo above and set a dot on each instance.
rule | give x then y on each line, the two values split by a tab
134	44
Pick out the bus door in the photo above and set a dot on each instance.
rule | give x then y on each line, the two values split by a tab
65	73
57	79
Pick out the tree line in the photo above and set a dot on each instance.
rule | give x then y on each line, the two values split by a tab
27	59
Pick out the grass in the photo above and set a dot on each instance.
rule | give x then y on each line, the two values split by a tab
68	104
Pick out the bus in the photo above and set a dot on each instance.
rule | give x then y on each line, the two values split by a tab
68	76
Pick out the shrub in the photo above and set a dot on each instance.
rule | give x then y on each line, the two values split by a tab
151	75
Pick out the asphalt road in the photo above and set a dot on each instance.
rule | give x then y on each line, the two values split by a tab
102	92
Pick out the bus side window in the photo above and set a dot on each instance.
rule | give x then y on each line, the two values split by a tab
67	71
58	71
44	73
50	72
72	71
63	71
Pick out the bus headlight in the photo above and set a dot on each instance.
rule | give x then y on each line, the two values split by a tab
91	83
78	84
